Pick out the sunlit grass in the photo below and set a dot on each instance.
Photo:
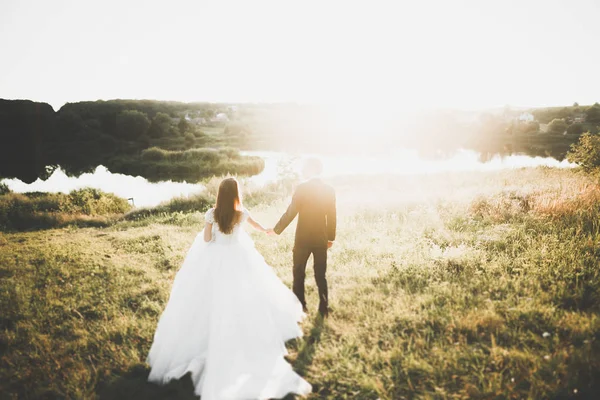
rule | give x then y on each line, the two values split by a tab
470	285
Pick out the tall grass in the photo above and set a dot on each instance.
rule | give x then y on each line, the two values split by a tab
157	164
466	285
38	210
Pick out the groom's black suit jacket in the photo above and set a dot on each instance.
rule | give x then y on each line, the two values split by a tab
314	202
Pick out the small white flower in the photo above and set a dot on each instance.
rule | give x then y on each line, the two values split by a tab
546	357
512	380
575	391
546	334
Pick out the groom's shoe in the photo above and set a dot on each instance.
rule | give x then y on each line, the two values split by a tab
325	313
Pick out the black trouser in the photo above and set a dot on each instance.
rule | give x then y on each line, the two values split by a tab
301	254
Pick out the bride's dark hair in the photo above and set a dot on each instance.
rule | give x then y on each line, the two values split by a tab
228	210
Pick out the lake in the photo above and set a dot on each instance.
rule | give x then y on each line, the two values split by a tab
279	164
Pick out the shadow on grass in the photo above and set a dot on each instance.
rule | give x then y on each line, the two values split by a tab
306	351
134	385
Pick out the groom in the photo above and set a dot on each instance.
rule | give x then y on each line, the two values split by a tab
314	202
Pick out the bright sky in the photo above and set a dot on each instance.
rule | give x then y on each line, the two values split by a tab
450	53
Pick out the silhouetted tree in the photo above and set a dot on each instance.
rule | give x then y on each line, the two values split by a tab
132	124
160	125
24	126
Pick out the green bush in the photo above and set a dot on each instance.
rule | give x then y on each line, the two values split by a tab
557	126
132	124
190	139
199	134
160	126
586	152
39	210
153	154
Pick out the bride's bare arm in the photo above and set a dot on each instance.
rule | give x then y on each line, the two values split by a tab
256	225
208	232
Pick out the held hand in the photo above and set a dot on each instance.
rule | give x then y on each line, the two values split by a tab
270	232
330	244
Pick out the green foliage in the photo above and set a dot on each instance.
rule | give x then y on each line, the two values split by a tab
586	152
47	210
144	141
183	125
557	126
593	114
132	124
199	134
575	129
546	115
161	125
190	139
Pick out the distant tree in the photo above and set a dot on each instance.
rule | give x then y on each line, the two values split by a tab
199	134
190	139
575	129
161	124
593	114
576	104
557	126
132	124
144	141
93	124
69	124
586	152
183	125
564	113
174	131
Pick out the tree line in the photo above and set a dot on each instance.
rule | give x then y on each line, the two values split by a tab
83	135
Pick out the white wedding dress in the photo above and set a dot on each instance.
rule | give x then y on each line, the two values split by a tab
227	321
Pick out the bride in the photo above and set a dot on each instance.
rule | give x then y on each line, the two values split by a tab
228	316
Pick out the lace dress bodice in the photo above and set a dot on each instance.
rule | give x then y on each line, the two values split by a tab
223	238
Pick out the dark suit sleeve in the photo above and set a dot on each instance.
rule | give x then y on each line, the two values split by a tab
288	216
331	219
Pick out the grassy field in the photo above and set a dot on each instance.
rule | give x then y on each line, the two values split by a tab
465	285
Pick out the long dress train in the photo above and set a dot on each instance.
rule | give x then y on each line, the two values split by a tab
227	320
